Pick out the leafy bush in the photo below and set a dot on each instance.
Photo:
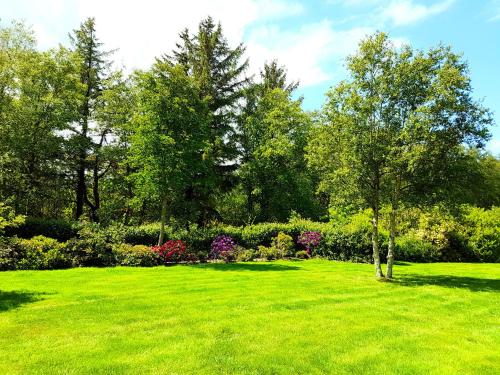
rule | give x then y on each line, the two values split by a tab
244	255
432	235
350	240
58	229
268	253
414	249
283	243
145	234
302	254
483	233
9	253
8	218
135	255
41	253
92	248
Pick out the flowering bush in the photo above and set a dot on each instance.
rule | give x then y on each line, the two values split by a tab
172	251
223	247
309	240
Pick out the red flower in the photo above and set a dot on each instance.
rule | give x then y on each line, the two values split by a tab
171	251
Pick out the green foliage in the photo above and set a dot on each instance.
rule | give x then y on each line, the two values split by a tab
273	173
394	132
36	103
60	229
169	140
8	218
244	255
218	71
483	233
346	245
413	249
446	233
302	254
9	253
135	255
273	76
195	143
268	252
40	253
92	247
283	244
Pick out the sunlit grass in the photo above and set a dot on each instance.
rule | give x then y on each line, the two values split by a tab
310	317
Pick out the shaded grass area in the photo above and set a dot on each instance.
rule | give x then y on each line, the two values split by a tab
310	317
14	299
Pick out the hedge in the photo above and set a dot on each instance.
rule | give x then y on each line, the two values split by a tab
63	244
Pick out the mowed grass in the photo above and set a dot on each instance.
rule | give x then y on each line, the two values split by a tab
310	317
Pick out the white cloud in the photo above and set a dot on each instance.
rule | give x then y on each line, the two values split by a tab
404	12
144	32
493	8
311	53
353	3
146	29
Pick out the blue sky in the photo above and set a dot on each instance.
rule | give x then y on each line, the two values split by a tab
311	38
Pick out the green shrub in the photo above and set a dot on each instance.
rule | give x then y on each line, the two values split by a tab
356	238
244	255
92	247
351	246
41	253
414	249
58	229
147	234
9	253
283	244
302	254
9	219
268	253
135	255
445	233
483	233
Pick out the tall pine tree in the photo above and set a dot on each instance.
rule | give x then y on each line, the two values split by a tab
218	70
93	67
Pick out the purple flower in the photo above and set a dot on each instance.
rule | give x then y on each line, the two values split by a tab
222	248
310	240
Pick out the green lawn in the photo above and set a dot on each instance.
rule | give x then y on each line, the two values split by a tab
311	317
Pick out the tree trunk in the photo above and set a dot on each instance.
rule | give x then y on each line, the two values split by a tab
80	190
128	209
95	189
392	244
162	221
375	242
249	190
81	186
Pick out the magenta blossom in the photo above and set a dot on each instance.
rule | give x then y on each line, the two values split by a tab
309	240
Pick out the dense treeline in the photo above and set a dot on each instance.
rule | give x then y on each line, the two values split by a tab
194	134
195	141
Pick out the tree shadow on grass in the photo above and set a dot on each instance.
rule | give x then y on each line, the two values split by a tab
14	299
474	284
247	267
401	263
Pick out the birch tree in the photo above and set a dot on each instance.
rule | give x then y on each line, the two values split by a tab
395	133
